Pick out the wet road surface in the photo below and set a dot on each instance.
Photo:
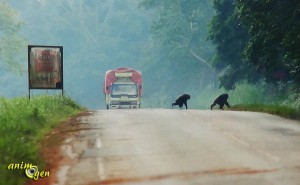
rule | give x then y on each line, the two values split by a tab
178	147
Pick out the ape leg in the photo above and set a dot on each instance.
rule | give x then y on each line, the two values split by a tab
185	103
180	105
221	106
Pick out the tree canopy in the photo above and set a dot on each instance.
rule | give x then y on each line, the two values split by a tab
97	35
178	51
274	43
11	43
182	26
179	45
256	40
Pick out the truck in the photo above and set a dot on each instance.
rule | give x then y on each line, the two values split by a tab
123	88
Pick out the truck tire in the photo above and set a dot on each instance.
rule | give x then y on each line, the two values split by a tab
107	107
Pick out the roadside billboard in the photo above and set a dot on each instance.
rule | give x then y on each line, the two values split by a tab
45	67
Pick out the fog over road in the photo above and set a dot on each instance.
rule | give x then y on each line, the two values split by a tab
177	147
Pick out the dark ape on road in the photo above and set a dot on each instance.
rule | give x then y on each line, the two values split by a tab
182	100
221	100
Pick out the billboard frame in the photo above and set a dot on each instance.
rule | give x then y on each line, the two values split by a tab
61	87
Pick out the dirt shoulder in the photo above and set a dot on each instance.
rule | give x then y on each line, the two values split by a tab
51	148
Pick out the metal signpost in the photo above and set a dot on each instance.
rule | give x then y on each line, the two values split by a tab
45	67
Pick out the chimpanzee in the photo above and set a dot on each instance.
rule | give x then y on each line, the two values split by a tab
221	100
182	100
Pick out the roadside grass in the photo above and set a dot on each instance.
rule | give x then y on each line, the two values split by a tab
23	123
279	110
260	97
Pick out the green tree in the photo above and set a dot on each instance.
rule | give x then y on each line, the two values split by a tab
12	45
96	36
256	40
177	57
230	37
274	42
182	26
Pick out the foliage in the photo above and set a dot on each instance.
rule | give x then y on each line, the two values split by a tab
283	111
205	97
23	123
11	43
292	100
256	40
176	59
96	36
181	27
247	94
274	37
230	38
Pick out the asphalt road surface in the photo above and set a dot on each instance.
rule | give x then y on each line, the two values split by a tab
178	147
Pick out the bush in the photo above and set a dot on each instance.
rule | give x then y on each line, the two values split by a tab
23	123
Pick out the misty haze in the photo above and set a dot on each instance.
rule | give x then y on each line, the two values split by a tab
178	50
140	56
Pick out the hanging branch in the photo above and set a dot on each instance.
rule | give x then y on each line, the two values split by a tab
199	58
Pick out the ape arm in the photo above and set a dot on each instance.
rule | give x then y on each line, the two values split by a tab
227	104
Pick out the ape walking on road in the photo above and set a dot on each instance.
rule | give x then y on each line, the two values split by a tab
221	100
182	100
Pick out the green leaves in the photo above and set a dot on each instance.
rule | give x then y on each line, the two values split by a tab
178	52
263	35
273	26
230	37
11	43
23	123
9	19
182	25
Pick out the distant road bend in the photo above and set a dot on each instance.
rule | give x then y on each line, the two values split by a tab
178	147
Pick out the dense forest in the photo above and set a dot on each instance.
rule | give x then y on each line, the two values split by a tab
249	49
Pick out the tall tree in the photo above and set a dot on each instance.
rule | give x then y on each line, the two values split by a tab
182	26
178	51
97	35
257	40
230	37
12	45
274	44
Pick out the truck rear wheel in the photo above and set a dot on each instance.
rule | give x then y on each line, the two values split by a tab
107	107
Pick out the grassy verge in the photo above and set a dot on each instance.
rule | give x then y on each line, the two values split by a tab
283	111
23	122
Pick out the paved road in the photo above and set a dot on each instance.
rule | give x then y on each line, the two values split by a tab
178	147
